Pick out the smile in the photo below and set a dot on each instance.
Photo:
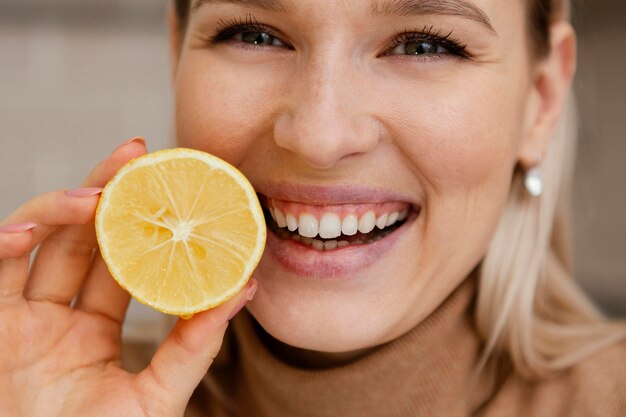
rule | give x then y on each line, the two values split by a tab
326	228
333	232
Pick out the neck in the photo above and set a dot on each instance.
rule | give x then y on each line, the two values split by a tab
307	359
421	370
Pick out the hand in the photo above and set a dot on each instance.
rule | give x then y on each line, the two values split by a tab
61	318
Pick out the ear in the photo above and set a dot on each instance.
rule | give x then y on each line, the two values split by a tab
549	90
175	36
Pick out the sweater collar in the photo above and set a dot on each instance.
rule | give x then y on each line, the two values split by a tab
425	372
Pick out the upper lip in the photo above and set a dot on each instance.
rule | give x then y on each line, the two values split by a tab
320	195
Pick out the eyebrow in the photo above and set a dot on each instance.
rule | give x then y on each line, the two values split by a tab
461	8
271	5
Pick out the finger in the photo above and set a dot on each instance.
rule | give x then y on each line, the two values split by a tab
101	294
48	211
16	240
69	250
15	244
185	356
13	275
51	210
61	264
106	169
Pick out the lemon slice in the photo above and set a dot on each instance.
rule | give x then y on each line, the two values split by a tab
181	230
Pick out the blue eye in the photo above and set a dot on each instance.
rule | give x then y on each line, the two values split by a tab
418	47
426	42
257	38
248	32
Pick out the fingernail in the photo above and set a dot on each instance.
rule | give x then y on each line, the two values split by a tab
252	290
18	228
84	192
242	303
137	139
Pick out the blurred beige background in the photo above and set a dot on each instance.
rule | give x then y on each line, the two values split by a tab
78	77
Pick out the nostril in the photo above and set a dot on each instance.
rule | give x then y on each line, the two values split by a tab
322	140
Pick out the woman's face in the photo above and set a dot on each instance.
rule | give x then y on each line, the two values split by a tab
348	113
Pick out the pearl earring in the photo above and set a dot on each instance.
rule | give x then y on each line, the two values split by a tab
533	181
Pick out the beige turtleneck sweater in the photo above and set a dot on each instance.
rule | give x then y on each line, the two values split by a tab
426	372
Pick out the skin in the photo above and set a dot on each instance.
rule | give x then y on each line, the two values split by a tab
301	115
442	131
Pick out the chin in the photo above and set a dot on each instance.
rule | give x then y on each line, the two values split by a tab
317	300
313	328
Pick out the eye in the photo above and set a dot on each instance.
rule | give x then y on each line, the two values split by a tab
426	43
246	32
418	47
257	38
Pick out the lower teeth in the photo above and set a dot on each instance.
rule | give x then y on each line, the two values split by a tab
324	245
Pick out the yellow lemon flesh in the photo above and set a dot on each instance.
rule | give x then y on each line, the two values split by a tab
181	230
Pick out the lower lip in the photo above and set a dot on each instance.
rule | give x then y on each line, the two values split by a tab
305	261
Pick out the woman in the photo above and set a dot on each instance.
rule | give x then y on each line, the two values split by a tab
418	130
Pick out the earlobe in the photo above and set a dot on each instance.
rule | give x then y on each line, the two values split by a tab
551	85
175	37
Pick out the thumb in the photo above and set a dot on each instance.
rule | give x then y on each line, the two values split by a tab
183	359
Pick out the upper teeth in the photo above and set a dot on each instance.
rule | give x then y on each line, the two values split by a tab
331	225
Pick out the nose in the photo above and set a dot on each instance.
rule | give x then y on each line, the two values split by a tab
325	117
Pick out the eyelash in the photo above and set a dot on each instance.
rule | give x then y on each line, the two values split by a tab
227	29
452	45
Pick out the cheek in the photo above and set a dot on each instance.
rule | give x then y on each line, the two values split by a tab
221	110
464	142
460	139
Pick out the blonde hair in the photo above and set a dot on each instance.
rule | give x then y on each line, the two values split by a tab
529	305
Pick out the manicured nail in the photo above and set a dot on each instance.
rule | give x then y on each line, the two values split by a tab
137	139
18	228
84	192
242	303
252	290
